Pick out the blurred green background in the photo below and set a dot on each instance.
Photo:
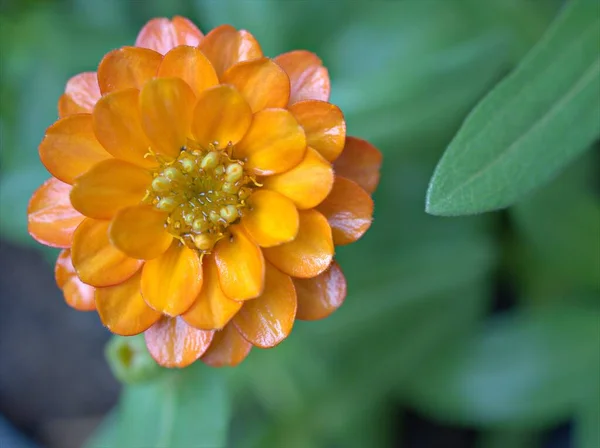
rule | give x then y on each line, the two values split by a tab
478	331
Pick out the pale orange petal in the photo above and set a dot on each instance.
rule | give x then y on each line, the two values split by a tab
140	232
310	253
307	184
81	94
274	143
162	34
66	106
225	46
323	125
320	296
118	127
309	79
268	319
77	294
97	262
240	264
187	33
127	67
171	282
189	64
108	187
222	116
228	348
360	161
212	309
70	148
122	309
51	219
349	210
173	343
166	105
262	83
270	219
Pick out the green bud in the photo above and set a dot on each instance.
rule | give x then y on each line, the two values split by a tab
130	361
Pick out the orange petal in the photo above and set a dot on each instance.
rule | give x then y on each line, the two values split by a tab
323	125
274	143
77	294
228	348
127	67
97	262
166	106
140	232
66	106
268	320
320	296
222	116
309	79
51	219
349	210
108	187
212	309
187	33
240	264
171	282
225	46
173	343
307	184
271	218
118	126
360	161
162	34
262	83
81	94
189	64
70	148
122	309
310	253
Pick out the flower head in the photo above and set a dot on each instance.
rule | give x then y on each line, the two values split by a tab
198	191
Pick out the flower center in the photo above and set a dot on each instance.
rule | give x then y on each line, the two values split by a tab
204	191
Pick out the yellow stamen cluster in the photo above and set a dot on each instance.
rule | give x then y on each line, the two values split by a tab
204	191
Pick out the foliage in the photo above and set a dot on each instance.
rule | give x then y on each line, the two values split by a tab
544	114
416	330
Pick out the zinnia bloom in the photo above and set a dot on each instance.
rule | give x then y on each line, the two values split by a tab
198	189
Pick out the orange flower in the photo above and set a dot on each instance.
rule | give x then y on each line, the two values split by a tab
194	193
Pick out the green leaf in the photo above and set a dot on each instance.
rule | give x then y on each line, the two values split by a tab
182	408
105	435
526	369
531	126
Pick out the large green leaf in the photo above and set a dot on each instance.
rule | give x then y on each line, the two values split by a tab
526	369
535	122
181	408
